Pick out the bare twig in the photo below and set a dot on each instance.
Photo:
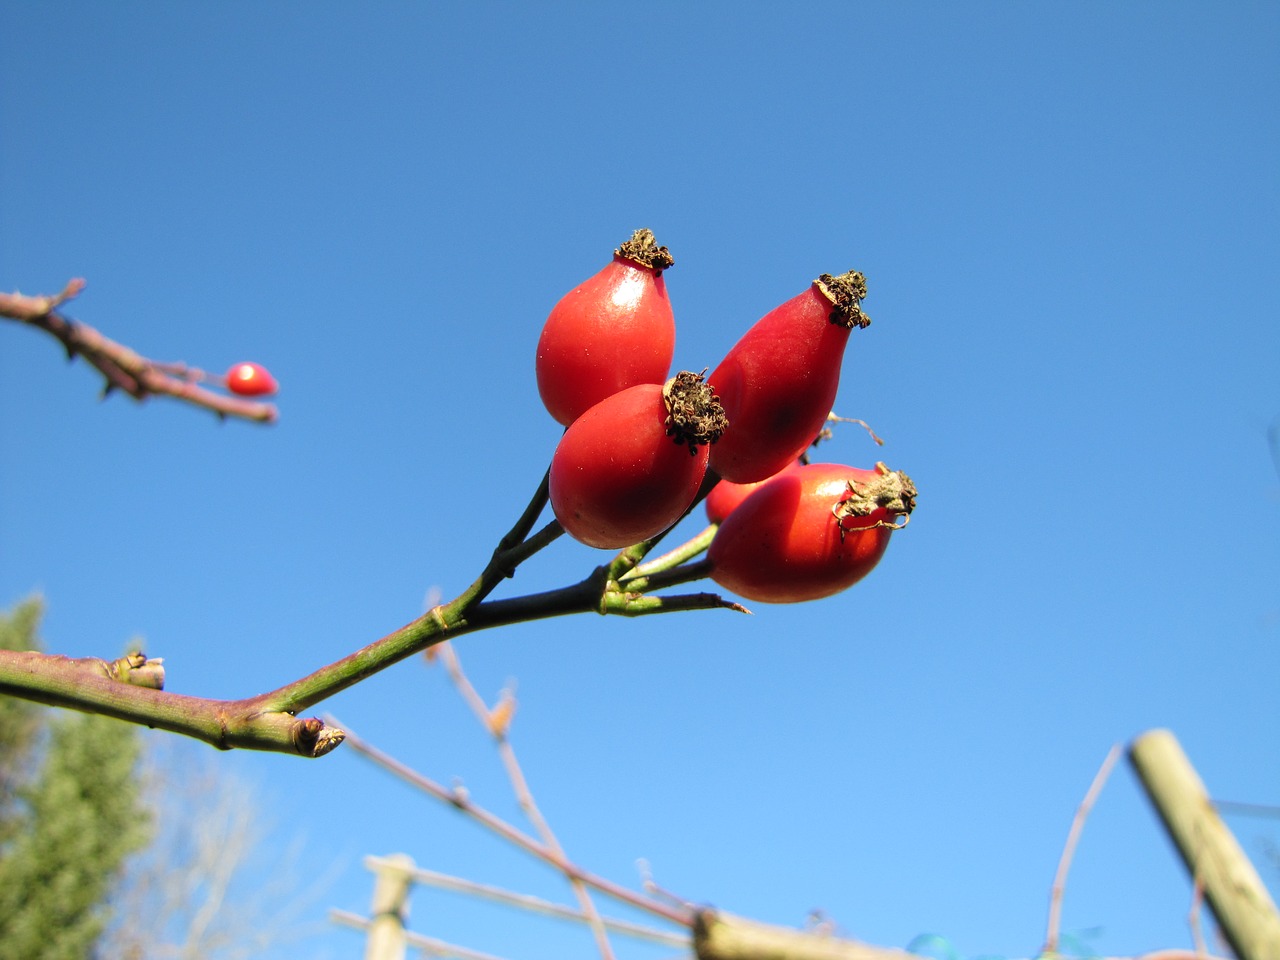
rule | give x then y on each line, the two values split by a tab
1194	914
524	796
652	887
124	369
459	800
1069	849
523	901
430	946
465	689
832	418
20	306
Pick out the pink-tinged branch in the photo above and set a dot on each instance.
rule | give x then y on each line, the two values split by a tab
498	722
459	799
1069	849
130	689
124	369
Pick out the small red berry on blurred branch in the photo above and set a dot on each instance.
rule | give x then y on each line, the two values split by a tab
128	371
251	379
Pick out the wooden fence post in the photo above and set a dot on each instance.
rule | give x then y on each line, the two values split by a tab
390	910
1244	910
722	936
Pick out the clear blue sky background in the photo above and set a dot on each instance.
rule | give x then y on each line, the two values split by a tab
1068	215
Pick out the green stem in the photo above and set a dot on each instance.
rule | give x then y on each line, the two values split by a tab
269	722
513	548
669	577
686	551
633	555
594	594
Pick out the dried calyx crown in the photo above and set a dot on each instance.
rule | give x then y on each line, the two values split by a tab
890	490
694	414
643	249
846	293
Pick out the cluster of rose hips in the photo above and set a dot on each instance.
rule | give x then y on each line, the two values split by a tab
641	448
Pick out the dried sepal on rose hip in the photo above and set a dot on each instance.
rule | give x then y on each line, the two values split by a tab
629	467
695	417
251	379
888	495
778	382
611	332
811	532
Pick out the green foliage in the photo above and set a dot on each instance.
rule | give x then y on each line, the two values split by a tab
19	719
66	827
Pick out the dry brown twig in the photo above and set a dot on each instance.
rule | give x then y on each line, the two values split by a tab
526	902
124	369
654	889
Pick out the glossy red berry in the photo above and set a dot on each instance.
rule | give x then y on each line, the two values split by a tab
778	383
629	467
611	332
251	380
810	533
726	495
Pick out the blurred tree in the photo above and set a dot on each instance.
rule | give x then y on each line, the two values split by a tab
214	883
19	719
69	816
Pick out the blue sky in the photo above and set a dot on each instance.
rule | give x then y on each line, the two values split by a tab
1068	221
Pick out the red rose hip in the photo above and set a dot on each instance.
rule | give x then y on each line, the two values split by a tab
251	380
629	467
778	383
811	532
726	495
611	332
